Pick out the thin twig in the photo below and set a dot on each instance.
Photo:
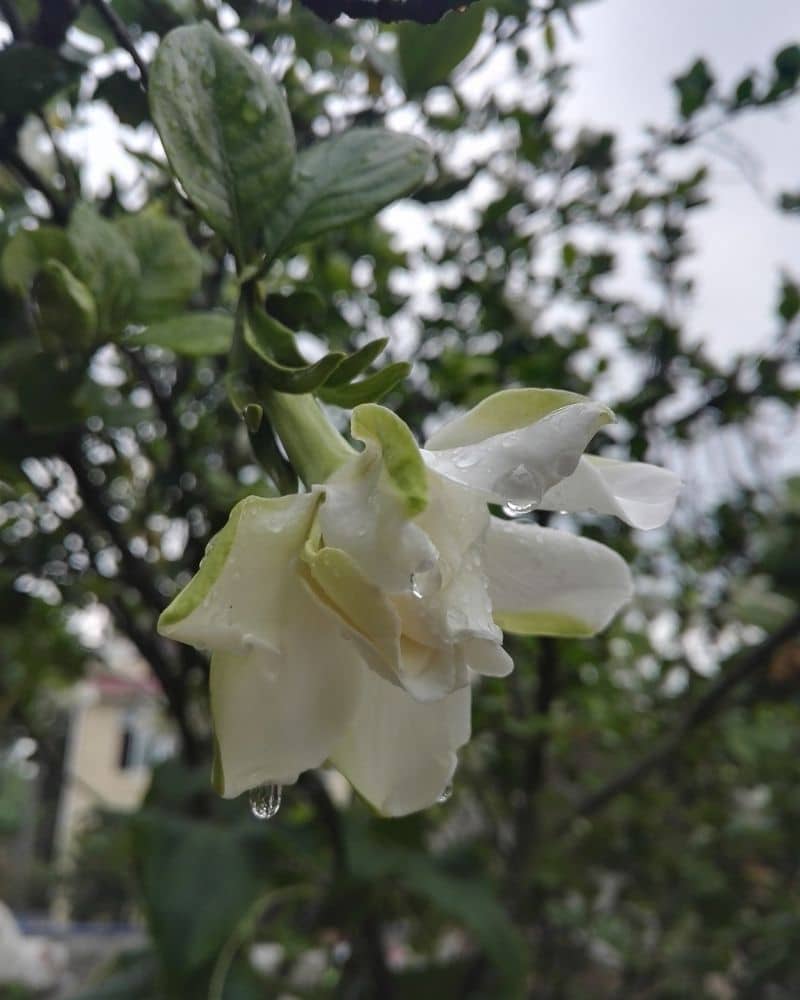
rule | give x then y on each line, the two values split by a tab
120	32
26	172
744	667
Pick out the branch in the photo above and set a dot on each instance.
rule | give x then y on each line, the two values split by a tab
745	665
12	18
422	11
26	172
120	32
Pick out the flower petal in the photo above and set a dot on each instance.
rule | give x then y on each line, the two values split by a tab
279	714
517	444
548	582
399	754
362	606
236	599
642	495
371	500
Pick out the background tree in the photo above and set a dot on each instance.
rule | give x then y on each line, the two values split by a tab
625	822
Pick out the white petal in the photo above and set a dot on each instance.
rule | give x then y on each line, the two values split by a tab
364	517
398	754
279	714
520	465
487	657
547	582
236	600
642	495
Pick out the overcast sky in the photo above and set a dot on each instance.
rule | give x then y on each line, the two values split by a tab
626	53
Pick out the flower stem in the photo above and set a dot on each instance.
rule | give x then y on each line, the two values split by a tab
314	446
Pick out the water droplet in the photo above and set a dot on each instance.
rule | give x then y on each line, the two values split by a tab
447	794
265	801
517	509
415	588
465	459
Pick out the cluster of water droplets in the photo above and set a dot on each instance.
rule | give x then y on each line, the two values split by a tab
265	801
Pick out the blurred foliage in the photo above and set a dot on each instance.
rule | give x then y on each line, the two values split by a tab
625	821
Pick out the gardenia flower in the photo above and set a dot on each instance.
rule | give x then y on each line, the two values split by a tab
347	624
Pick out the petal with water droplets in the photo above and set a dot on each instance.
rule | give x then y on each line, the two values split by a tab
642	495
517	444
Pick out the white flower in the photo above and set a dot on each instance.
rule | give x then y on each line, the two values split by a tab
346	624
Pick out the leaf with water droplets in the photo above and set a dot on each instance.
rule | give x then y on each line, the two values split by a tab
226	130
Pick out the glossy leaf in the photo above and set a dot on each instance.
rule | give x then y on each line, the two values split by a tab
346	178
226	130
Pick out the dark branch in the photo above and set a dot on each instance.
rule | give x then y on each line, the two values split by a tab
29	176
120	32
12	19
745	666
422	11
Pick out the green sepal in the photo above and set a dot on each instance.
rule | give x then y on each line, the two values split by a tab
295	379
369	389
357	362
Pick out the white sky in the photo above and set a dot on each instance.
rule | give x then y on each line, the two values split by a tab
625	55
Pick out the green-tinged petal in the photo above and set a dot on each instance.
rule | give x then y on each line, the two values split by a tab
277	714
504	411
547	582
237	597
361	605
402	461
371	501
642	495
517	444
399	754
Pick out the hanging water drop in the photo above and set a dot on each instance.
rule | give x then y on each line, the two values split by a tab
446	795
415	588
517	509
265	801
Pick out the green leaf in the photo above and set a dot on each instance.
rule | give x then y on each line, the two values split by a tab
26	252
369	389
198	335
468	900
66	313
226	130
429	53
172	855
30	76
694	88
171	268
107	264
357	362
346	178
